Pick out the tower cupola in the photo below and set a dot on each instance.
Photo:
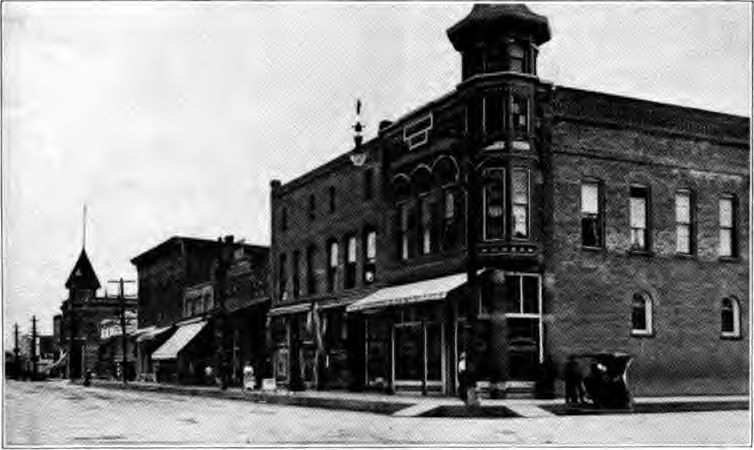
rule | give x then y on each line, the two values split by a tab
499	38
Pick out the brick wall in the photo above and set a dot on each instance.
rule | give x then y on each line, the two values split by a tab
589	293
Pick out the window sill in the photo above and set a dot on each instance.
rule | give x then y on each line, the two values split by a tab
731	337
642	334
729	259
592	249
685	256
646	253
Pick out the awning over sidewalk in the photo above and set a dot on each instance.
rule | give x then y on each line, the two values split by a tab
404	294
291	309
182	336
149	333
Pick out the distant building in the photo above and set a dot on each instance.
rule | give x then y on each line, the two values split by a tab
82	313
524	222
179	308
110	354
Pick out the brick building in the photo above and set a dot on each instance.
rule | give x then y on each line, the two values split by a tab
181	314
526	220
82	313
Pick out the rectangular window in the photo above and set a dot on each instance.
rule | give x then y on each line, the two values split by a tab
494	204
311	279
403	239
331	194
296	274
727	245
638	205
332	265
425	226
520	114
283	278
312	207
591	216
683	229
520	203
368	184
515	58
450	219
494	118
350	275
370	256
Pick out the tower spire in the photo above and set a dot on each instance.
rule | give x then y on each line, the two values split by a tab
83	235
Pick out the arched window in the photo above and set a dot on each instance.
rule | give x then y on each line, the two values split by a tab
421	179
641	314
445	171
400	187
730	318
350	269
369	254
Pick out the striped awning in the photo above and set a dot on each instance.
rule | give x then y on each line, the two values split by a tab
405	294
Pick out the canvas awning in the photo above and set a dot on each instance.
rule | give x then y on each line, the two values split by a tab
291	309
404	294
149	333
182	336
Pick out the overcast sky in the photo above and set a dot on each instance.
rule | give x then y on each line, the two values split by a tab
172	118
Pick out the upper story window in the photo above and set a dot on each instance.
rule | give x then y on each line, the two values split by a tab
350	269
639	207
311	278
641	314
312	212
426	209
683	229
331	197
520	114
516	58
296	274
283	278
370	255
403	231
368	184
727	245
591	214
451	228
730	318
493	226
520	203
494	113
284	219
332	265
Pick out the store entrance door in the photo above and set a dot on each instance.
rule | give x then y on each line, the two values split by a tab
523	347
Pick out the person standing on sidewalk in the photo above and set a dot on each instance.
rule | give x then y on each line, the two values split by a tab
462	377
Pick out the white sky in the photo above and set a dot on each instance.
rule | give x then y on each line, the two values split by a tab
172	117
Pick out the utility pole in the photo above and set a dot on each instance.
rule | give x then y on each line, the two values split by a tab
16	356
122	299
34	357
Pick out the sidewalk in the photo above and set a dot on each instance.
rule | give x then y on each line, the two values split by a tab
401	405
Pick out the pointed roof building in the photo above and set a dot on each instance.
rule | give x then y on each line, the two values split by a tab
82	276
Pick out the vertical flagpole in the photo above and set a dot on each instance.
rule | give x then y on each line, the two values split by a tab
83	227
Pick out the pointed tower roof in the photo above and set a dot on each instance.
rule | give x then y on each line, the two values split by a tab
494	18
82	276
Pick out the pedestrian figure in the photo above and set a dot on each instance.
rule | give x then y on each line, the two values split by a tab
573	382
249	381
208	375
462	377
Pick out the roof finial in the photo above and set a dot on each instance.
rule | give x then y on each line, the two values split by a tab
83	235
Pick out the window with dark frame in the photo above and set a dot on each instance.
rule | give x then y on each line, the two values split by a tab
403	239
332	265
296	274
520	114
727	239
368	184
331	197
425	206
311	277
683	225
494	114
450	218
516	58
730	318
591	215
284	219
283	278
349	280
312	207
639	208
370	256
641	314
520	203
494	204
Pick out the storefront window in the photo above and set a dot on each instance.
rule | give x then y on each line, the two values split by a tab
408	352
434	352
